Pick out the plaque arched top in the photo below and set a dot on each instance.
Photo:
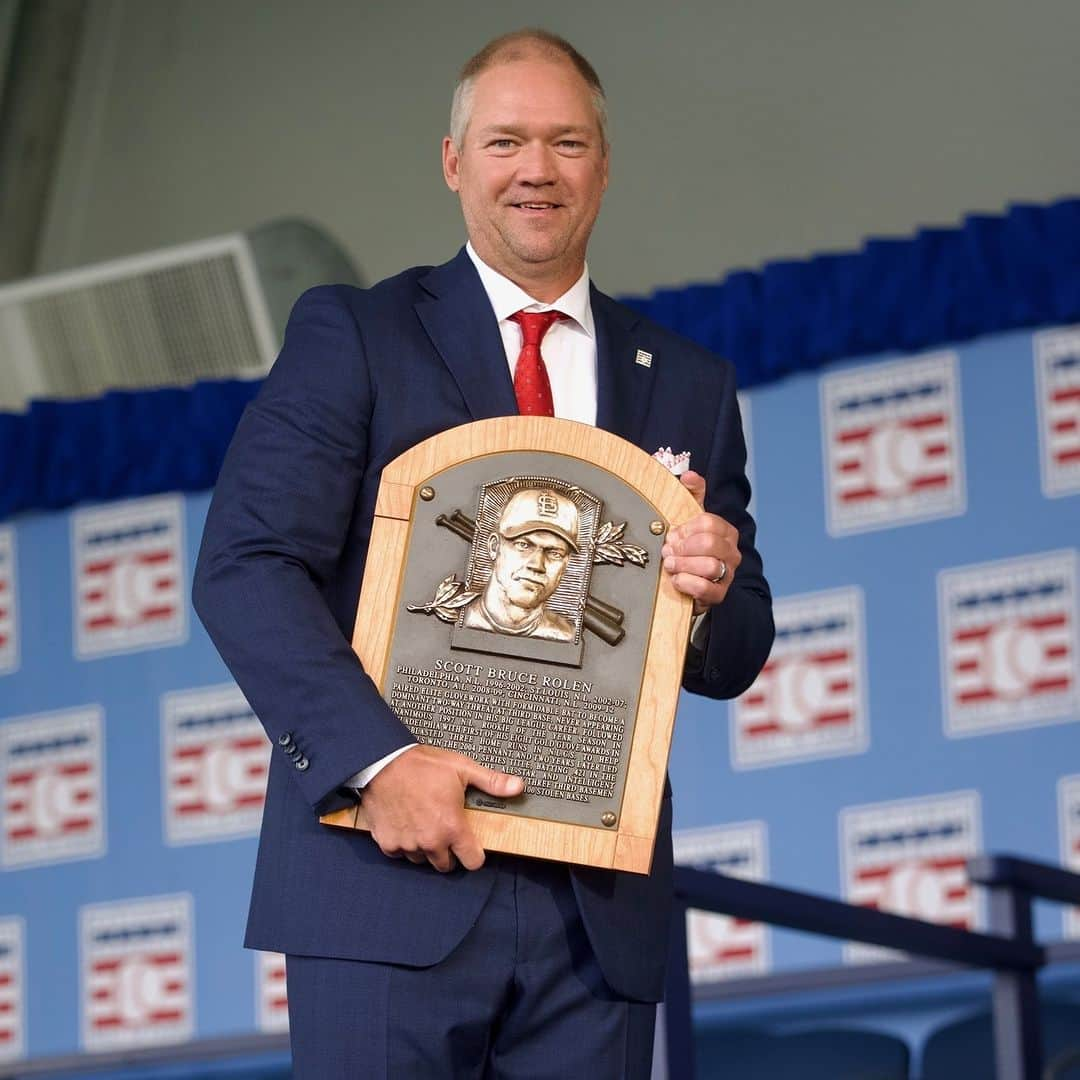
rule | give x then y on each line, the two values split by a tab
632	465
626	841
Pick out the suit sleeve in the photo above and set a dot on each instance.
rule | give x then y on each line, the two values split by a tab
733	642
274	533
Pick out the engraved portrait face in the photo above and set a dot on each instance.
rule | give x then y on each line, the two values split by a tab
528	568
530	547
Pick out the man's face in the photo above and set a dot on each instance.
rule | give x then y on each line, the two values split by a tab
531	171
529	567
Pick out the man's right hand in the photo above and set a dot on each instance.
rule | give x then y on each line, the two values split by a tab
415	807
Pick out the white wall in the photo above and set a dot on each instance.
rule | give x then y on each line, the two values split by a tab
744	130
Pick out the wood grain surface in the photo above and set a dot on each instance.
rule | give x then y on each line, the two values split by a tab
629	845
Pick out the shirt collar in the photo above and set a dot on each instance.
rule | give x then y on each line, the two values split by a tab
506	297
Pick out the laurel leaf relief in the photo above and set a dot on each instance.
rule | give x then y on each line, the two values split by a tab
450	597
610	547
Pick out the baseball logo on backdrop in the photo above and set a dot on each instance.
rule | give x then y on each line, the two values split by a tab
12	981
215	759
272	1002
137	973
809	700
1009	643
1057	381
9	623
723	946
910	858
1069	830
53	787
892	444
128	574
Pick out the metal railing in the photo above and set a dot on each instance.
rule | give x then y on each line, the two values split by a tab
1008	950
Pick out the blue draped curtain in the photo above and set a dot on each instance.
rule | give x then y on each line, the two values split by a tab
990	274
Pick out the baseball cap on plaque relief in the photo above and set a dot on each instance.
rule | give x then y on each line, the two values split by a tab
514	610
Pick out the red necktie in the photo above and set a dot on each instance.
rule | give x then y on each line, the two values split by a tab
531	385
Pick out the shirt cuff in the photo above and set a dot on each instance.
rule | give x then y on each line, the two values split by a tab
365	776
698	642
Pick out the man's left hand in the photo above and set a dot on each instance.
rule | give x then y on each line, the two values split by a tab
702	554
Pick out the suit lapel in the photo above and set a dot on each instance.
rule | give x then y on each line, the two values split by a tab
458	318
623	386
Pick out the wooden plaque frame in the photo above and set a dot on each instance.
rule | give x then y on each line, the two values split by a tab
629	845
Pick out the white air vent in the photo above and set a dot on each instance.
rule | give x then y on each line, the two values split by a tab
169	318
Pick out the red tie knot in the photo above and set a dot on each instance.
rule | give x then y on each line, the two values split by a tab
534	324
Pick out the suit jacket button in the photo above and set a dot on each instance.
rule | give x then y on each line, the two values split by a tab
285	739
302	764
715	673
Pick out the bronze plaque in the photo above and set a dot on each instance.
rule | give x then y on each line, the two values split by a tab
523	620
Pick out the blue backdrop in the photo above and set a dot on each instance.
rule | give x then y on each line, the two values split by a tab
918	518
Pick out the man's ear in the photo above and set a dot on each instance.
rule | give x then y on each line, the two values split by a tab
451	163
493	545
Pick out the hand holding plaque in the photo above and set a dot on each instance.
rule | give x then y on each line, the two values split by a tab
551	646
415	806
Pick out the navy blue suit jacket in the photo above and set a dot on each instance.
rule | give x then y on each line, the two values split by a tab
363	375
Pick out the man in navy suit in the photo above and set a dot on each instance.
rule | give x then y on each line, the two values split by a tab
410	954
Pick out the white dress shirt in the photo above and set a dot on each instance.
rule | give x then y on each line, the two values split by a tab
568	348
569	352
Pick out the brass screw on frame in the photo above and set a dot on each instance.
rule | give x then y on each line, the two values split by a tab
608	818
656	527
427	493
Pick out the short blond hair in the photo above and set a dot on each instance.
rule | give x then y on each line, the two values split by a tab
521	45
